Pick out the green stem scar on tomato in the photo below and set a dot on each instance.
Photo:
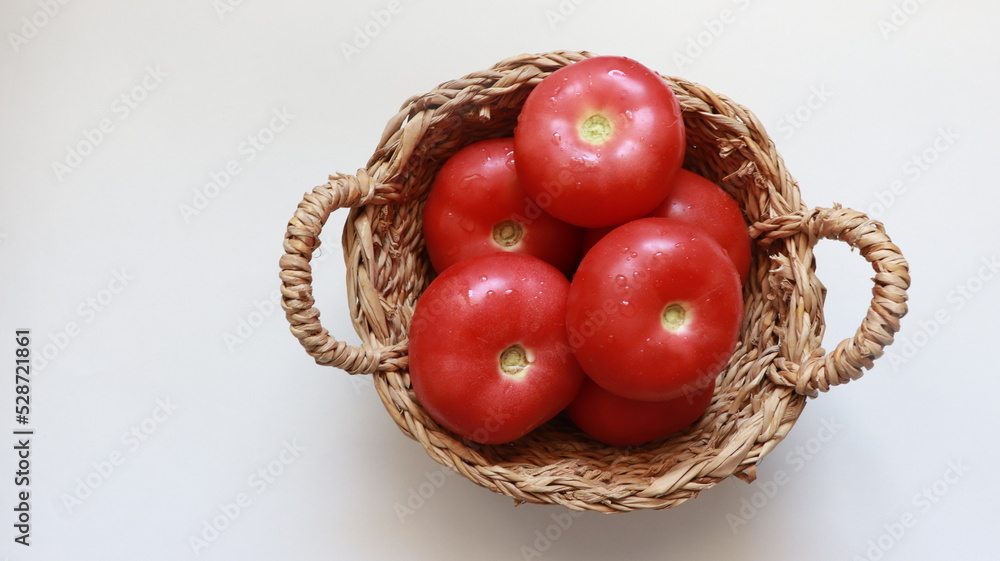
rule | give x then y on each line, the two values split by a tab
508	233
674	316
596	129
514	361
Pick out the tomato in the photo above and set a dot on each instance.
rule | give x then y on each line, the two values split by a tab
654	309
488	350
620	421
599	141
476	205
699	202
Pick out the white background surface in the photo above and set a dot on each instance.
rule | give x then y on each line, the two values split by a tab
920	426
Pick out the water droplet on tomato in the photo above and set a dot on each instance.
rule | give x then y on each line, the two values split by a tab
616	73
484	278
556	139
627	309
471	178
621	281
467	224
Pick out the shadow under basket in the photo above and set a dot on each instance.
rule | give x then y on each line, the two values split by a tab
776	365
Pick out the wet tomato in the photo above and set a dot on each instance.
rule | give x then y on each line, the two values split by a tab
654	309
621	421
599	141
489	356
697	201
476	205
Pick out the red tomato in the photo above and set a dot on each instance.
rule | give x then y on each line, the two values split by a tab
489	359
620	421
697	201
476	205
654	307
599	141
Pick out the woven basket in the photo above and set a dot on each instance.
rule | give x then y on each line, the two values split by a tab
777	363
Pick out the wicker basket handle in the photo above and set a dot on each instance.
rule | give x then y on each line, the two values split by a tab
888	304
301	240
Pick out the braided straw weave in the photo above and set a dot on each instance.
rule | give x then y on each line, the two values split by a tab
776	365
